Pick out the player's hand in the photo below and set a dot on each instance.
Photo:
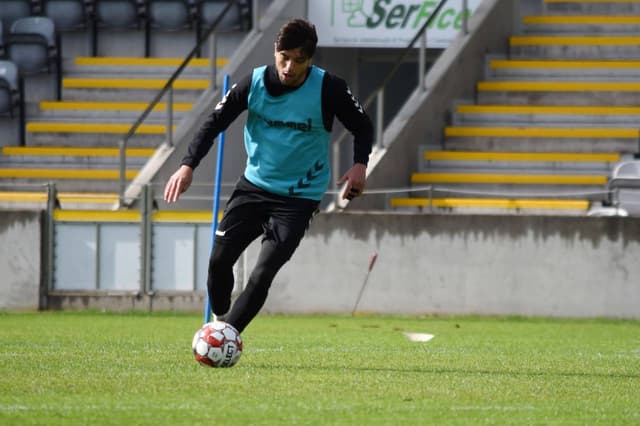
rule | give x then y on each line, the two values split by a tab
354	179
178	183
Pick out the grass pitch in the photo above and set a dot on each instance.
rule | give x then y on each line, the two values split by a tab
137	369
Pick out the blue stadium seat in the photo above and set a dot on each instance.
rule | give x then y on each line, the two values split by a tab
207	11
11	10
117	15
12	94
9	87
236	19
34	46
67	15
171	15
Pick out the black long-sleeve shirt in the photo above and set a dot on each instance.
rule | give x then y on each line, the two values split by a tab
337	101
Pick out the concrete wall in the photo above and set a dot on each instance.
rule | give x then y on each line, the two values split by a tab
464	264
435	264
20	242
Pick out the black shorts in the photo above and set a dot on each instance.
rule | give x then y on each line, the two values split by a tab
252	211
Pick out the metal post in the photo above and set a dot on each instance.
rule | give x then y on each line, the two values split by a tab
422	61
380	118
123	174
430	199
213	55
169	129
465	17
52	203
255	15
336	167
145	246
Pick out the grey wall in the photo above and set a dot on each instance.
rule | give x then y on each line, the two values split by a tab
20	240
464	264
427	264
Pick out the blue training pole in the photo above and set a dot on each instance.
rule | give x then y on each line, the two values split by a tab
216	196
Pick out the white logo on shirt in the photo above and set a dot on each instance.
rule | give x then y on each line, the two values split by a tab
224	99
356	103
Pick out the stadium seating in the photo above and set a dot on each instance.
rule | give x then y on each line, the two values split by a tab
549	122
12	10
10	96
67	15
117	15
170	15
34	46
207	11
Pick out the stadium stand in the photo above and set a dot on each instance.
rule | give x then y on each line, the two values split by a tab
171	15
12	95
74	142
13	10
34	46
625	187
68	15
207	11
117	15
9	88
550	121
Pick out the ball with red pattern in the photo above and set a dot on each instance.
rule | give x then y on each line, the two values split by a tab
217	344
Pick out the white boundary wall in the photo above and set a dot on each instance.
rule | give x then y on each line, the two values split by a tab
427	264
454	264
20	241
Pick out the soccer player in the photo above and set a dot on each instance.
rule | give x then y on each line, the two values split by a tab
291	107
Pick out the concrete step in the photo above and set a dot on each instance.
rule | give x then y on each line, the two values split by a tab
541	139
514	185
586	24
105	88
544	115
54	174
508	179
534	92
67	200
92	110
518	162
135	66
574	70
491	205
103	134
30	156
66	179
592	7
565	47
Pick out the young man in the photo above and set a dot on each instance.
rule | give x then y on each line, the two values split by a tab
291	106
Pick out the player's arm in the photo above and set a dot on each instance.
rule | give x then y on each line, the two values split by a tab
227	110
342	103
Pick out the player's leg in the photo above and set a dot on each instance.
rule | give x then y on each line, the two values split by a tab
282	236
240	225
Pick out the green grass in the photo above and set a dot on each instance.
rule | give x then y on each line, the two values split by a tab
137	369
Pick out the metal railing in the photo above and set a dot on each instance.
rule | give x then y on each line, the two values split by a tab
167	89
378	94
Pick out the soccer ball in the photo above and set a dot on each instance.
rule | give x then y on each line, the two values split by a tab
217	344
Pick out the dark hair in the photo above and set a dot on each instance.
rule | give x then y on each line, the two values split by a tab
298	33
